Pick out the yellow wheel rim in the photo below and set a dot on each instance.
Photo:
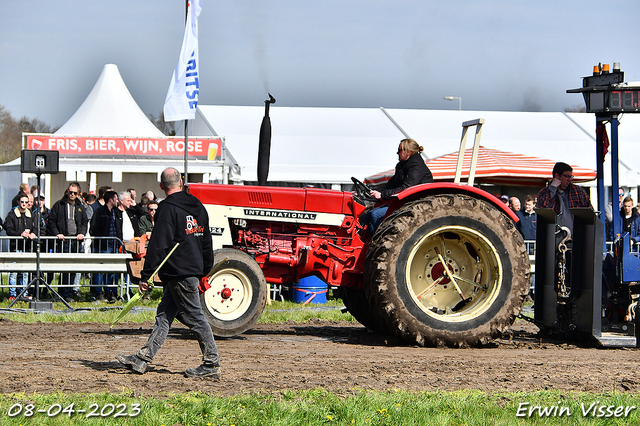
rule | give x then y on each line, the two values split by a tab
471	282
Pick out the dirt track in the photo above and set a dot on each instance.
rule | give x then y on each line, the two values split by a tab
338	356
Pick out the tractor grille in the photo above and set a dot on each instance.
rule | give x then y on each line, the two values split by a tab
260	198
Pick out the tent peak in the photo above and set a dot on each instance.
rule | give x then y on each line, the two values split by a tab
109	109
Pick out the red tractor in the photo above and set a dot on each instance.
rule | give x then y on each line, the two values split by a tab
446	266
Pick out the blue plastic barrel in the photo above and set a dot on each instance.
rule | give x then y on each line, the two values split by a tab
309	290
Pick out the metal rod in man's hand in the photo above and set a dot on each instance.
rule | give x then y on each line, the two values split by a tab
150	280
215	268
134	300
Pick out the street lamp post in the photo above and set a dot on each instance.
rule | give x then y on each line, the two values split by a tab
452	98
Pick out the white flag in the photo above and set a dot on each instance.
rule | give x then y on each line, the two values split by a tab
182	97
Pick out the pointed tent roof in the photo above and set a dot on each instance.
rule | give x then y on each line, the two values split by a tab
109	110
495	167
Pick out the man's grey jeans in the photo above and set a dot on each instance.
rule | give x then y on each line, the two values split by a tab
181	299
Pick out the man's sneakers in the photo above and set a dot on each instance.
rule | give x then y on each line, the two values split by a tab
204	370
132	362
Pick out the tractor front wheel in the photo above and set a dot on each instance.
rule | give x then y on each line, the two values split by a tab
237	294
355	300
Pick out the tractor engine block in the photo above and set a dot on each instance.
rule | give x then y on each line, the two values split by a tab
289	251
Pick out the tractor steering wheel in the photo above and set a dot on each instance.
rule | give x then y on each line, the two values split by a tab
362	191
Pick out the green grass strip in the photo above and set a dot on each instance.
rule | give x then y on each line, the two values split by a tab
319	407
145	312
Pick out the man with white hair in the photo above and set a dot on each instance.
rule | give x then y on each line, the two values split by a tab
129	218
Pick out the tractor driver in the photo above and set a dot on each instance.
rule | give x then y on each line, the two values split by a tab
411	170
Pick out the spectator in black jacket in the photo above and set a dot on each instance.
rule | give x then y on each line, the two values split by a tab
68	222
100	201
628	213
19	223
39	202
106	222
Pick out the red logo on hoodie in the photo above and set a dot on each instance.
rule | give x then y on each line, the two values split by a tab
192	226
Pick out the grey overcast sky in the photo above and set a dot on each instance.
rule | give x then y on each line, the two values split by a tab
509	55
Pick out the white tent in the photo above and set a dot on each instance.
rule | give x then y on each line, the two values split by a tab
109	110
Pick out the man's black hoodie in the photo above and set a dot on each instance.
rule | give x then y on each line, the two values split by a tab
180	218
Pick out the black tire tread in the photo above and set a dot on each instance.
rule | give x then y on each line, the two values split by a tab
382	255
355	300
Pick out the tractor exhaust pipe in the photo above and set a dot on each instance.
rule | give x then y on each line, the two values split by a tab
264	144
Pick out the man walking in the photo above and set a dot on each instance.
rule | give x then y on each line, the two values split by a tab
181	218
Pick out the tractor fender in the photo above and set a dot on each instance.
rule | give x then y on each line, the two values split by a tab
425	189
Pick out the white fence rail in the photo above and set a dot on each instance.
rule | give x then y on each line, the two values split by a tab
68	256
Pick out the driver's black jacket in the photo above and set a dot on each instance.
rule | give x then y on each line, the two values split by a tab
410	172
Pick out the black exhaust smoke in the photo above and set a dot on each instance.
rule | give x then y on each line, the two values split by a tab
264	145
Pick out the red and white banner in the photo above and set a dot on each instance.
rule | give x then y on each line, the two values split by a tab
128	148
182	96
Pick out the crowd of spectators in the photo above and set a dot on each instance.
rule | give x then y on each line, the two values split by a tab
109	217
528	218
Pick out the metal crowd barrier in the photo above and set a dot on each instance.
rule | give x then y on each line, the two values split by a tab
530	246
65	256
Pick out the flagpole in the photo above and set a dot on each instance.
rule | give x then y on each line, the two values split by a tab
182	97
186	122
186	151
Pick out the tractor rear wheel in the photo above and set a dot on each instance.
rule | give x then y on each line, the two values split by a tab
237	296
447	270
